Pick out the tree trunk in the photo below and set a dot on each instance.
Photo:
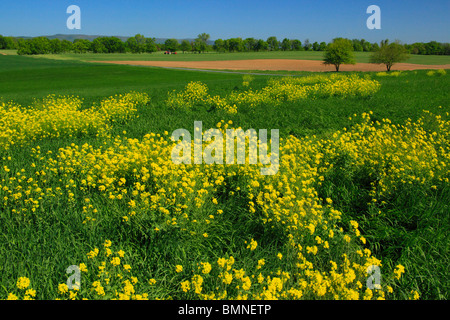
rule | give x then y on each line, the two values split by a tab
337	67
388	66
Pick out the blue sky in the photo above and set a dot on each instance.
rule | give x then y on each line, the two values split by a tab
406	20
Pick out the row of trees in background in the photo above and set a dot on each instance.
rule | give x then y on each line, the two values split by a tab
136	44
43	45
141	44
272	44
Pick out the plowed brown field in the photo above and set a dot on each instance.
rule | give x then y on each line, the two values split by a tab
275	64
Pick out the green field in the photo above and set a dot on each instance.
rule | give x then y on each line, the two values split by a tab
409	229
25	78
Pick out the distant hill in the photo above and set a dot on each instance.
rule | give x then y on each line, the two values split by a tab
72	37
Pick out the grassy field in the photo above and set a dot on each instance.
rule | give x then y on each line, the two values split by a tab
25	78
188	232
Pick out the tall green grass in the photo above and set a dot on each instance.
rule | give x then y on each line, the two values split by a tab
413	232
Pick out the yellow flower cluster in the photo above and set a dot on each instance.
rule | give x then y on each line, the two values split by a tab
319	260
395	157
440	72
388	74
276	92
105	275
54	117
247	79
193	93
300	283
122	107
25	293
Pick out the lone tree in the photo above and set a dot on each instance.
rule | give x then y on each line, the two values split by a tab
388	54
340	51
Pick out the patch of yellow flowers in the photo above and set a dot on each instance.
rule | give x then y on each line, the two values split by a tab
389	74
276	92
106	276
55	116
138	181
398	157
440	72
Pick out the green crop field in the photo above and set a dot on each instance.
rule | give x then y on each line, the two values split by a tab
86	179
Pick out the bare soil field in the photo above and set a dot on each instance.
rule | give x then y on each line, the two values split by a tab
275	64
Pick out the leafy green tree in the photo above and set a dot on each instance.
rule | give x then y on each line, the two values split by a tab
249	44
315	46
136	44
55	46
374	47
322	46
389	54
418	48
199	46
296	45
201	42
171	45
3	43
66	46
273	43
357	45
286	44
306	45
446	48
23	47
150	45
235	45
261	45
141	42
185	46
366	46
98	46
82	45
204	37
219	45
433	47
114	45
340	51
42	45
132	45
11	43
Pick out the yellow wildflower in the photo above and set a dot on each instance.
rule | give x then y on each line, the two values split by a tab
63	288
23	283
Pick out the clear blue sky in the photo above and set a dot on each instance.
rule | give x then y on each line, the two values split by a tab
406	20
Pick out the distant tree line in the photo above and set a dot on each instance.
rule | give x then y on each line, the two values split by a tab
43	45
141	44
272	44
